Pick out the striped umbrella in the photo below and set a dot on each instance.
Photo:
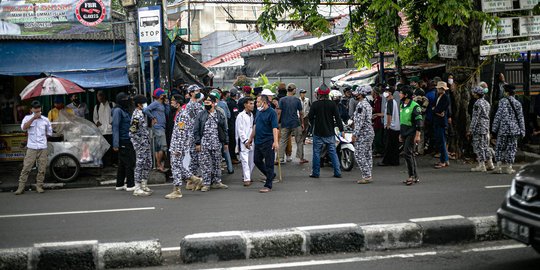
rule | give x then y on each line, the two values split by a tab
50	86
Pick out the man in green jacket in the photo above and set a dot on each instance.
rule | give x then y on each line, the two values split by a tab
411	123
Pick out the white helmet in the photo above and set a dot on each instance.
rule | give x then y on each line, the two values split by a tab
266	92
335	95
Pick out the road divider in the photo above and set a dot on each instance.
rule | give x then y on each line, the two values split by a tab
83	255
350	237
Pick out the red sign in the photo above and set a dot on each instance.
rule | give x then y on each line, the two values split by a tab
90	12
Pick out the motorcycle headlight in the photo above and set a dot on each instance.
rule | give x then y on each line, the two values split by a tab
513	188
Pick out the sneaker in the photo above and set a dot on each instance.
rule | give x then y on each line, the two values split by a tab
140	192
289	159
219	186
205	188
120	188
129	189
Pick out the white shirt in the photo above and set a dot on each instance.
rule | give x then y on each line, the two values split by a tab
306	104
80	111
104	116
37	132
244	126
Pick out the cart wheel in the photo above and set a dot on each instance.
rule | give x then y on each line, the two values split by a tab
65	168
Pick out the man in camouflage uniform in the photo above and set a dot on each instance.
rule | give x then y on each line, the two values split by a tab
140	138
208	141
179	148
479	129
363	134
193	108
508	126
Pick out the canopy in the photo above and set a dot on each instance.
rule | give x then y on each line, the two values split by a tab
90	64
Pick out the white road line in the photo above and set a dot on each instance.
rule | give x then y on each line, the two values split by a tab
362	259
326	262
78	212
435	218
501	186
494	248
170	249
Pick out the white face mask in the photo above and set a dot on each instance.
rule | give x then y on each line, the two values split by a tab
385	94
260	109
145	105
450	81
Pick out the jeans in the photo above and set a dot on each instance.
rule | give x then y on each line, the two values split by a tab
264	160
228	160
126	165
330	143
440	137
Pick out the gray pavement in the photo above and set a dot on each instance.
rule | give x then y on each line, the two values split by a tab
298	201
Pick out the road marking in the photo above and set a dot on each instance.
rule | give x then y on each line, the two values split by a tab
326	262
501	186
170	249
435	218
363	259
494	248
78	212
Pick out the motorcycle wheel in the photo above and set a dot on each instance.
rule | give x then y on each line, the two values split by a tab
347	159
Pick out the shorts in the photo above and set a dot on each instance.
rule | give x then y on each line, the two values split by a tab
160	141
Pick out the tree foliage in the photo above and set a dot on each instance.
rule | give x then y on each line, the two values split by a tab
374	24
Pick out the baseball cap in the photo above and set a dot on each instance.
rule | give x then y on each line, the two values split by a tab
35	104
158	92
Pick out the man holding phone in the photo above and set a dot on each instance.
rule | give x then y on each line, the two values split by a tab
38	128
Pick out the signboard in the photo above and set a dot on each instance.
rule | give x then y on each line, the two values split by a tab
535	76
529	26
510	47
507	5
150	26
448	51
505	30
54	17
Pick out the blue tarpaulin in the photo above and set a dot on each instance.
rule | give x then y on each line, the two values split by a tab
90	64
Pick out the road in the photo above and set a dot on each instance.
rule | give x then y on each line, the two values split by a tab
59	215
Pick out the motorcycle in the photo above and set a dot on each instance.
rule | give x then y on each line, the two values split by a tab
344	148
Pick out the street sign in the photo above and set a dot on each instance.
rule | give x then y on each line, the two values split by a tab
522	46
448	51
507	5
505	31
529	26
150	26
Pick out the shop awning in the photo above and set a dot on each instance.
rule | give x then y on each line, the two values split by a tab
90	64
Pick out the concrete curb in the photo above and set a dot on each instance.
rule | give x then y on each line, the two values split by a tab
234	245
83	255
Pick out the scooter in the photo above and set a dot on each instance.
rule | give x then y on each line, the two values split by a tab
344	148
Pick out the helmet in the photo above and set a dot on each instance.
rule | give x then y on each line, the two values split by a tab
365	90
267	92
193	87
335	95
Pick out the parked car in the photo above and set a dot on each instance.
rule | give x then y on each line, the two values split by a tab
519	215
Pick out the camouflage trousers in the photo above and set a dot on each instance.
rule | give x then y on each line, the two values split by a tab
143	161
210	163
480	144
363	153
506	148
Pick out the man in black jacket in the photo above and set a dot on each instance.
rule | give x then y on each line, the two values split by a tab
324	116
440	122
230	98
210	132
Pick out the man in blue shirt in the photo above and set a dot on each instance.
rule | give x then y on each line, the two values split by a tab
290	112
121	121
156	111
265	133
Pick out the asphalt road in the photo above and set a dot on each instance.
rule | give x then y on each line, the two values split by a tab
298	201
499	255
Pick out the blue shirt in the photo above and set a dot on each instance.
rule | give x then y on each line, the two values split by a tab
222	104
121	121
432	97
157	110
290	107
265	122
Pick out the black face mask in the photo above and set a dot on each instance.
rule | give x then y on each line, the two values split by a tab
124	103
76	102
207	107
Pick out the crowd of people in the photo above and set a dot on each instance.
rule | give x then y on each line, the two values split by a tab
197	128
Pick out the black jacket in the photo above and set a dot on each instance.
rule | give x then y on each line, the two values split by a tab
200	121
324	116
442	107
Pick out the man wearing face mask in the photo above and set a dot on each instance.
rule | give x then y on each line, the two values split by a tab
140	138
38	128
391	130
80	108
192	109
210	133
157	111
58	109
121	119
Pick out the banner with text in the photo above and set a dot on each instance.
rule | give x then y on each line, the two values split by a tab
54	17
507	5
513	27
512	47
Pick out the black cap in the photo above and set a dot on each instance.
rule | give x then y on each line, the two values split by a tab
510	88
303	91
36	104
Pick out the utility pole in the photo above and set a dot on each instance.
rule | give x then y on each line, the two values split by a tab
164	52
132	46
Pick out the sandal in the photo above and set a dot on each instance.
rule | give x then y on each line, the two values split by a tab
441	165
409	181
365	180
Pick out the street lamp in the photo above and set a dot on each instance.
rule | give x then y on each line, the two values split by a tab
128	3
